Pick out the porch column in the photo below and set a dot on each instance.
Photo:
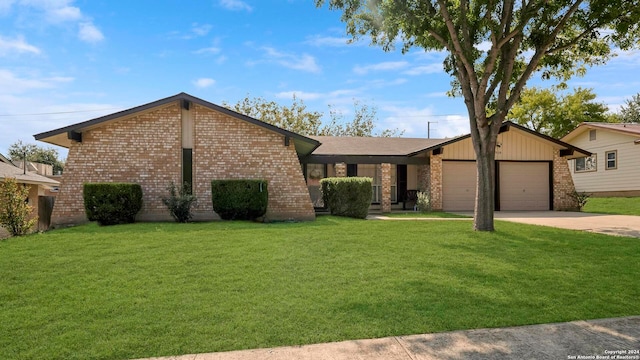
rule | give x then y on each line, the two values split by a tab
385	201
435	190
341	169
563	185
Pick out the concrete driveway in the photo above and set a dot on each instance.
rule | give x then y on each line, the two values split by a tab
621	225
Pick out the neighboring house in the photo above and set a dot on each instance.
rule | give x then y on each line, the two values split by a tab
39	187
613	169
531	170
186	139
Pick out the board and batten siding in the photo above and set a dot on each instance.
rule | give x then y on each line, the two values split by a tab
626	177
513	145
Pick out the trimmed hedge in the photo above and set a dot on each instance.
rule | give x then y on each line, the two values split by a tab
112	203
240	199
347	196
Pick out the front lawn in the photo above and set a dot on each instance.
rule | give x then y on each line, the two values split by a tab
157	289
613	205
430	214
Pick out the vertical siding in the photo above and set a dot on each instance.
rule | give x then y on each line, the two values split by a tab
513	145
625	178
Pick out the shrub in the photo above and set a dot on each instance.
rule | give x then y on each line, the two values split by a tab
347	196
112	203
423	201
580	198
240	199
179	202
15	212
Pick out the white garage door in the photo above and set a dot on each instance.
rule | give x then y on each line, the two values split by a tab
458	185
524	186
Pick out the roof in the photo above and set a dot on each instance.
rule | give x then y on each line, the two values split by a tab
372	146
11	171
632	129
4	159
304	145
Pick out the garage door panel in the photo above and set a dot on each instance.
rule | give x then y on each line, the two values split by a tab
458	185
524	186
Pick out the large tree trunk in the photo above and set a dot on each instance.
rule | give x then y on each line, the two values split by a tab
485	189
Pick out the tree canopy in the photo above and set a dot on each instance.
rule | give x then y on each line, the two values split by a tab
630	111
298	119
35	153
555	38
546	112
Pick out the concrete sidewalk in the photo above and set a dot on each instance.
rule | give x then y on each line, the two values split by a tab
617	338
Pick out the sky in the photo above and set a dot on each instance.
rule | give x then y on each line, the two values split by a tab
66	61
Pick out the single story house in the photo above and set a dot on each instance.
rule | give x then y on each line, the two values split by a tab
186	139
613	169
39	187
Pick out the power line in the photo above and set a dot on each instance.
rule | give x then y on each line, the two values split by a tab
57	113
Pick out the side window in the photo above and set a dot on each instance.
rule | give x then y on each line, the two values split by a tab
587	163
592	135
612	160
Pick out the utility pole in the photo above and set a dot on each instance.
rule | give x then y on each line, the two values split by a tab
429	128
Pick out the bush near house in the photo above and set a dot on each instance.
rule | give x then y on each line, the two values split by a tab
244	199
15	212
112	203
350	196
179	202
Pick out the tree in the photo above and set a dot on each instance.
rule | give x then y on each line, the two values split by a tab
298	119
15	213
36	153
630	111
543	111
557	38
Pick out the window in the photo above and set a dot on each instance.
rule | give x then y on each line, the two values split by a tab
612	160
375	172
315	173
587	163
592	135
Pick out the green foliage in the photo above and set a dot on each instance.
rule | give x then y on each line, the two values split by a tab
423	201
580	198
245	199
543	111
298	119
630	111
347	196
112	203
15	213
179	202
36	153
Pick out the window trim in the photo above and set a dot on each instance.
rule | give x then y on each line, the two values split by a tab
595	162
615	160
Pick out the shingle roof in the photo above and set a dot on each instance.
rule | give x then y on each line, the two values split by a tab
10	171
632	129
373	146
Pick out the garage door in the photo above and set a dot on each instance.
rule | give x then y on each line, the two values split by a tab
458	185
524	186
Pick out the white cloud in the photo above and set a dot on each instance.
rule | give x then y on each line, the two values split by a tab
414	122
89	33
302	62
12	84
383	66
18	45
64	13
425	69
330	41
302	95
235	5
201	30
209	50
204	82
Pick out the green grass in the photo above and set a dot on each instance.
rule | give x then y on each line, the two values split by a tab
155	289
614	205
432	214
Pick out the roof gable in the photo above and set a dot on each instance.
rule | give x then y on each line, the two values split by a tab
631	129
304	145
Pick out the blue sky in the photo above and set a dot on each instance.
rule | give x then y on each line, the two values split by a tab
65	61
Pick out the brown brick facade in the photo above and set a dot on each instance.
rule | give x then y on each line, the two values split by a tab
435	186
563	185
386	187
147	149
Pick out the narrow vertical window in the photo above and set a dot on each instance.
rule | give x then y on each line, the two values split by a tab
612	160
592	135
187	169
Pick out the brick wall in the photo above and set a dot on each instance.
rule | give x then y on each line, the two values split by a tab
228	148
563	185
424	177
143	149
386	187
435	185
147	149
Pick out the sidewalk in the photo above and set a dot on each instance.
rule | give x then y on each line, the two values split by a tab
617	338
